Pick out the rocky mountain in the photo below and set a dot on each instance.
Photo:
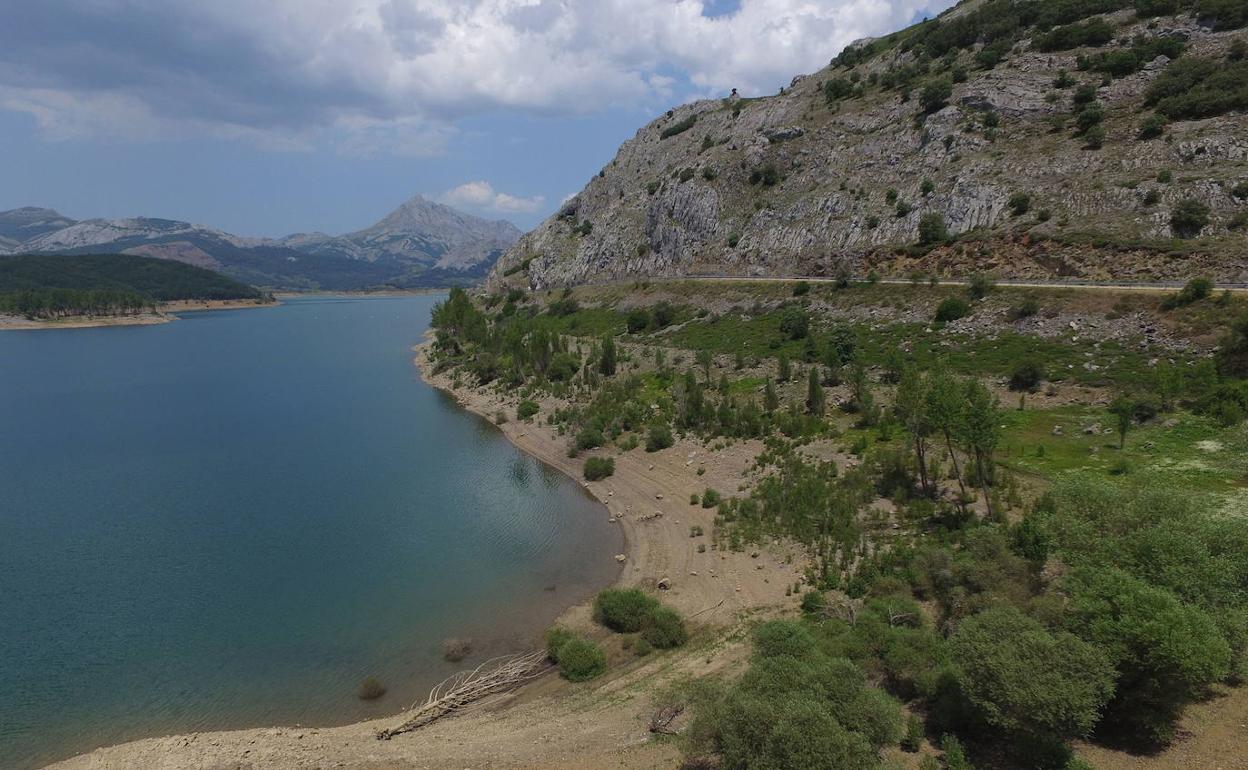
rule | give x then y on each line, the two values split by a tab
449	239
419	244
1102	139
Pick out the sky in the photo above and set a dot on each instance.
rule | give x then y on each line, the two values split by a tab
268	117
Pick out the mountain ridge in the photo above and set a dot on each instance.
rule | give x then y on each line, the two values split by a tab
1012	128
420	243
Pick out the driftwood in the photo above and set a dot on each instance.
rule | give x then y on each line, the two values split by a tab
662	720
468	687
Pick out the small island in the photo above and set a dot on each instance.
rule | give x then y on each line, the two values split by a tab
41	290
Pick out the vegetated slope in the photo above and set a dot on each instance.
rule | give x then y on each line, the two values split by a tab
1030	139
419	244
158	279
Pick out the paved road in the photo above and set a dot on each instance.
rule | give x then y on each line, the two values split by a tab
1166	286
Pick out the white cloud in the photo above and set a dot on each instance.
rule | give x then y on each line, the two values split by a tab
481	195
391	76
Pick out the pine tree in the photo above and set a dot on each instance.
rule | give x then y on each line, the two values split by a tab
981	431
771	401
814	393
911	409
786	371
606	363
944	411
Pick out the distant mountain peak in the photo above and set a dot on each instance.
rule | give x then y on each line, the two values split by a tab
419	243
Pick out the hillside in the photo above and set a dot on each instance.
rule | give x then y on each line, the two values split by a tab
419	244
1027	139
161	280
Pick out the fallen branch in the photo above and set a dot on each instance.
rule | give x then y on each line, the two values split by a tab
467	687
662	720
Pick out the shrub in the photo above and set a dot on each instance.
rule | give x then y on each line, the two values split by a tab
679	127
455	650
526	409
1019	203
623	609
980	285
1240	190
1026	309
597	468
913	738
1089	116
801	288
580	659
1151	198
767	175
932	229
935	94
1023	678
1027	375
588	437
1152	127
794	323
927	187
1193	291
664	629
371	689
1094	138
951	309
659	437
1189	217
1094	32
710	498
1192	88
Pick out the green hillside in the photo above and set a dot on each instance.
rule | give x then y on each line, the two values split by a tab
46	286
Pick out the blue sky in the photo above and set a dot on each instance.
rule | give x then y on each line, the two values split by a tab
266	118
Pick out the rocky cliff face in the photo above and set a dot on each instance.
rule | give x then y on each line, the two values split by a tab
836	173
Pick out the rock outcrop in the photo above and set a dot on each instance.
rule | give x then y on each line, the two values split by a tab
801	183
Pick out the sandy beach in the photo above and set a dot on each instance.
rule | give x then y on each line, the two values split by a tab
551	723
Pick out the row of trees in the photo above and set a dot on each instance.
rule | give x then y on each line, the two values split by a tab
62	303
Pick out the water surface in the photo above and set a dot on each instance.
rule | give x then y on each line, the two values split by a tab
230	520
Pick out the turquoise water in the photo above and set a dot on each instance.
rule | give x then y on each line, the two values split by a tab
232	519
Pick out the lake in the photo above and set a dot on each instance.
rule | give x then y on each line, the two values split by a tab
232	519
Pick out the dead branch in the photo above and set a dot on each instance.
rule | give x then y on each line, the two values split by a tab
662	720
468	687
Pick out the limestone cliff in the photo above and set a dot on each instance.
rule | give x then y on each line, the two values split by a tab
1030	151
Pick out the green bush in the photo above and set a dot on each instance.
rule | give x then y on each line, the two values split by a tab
710	498
951	309
664	629
623	609
935	94
679	127
527	409
580	659
1240	190
1023	678
1094	32
980	285
1152	127
1191	88
1027	375
638	320
932	229
1019	203
659	437
1189	217
1193	291
597	468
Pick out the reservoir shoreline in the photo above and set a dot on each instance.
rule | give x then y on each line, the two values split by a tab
165	313
548	722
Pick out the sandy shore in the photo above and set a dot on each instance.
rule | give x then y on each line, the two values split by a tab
164	314
551	723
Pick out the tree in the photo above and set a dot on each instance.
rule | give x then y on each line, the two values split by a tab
794	323
786	372
1122	408
981	430
706	359
814	393
1189	217
1025	679
932	229
606	363
1165	652
935	94
911	408
1232	356
944	411
771	401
